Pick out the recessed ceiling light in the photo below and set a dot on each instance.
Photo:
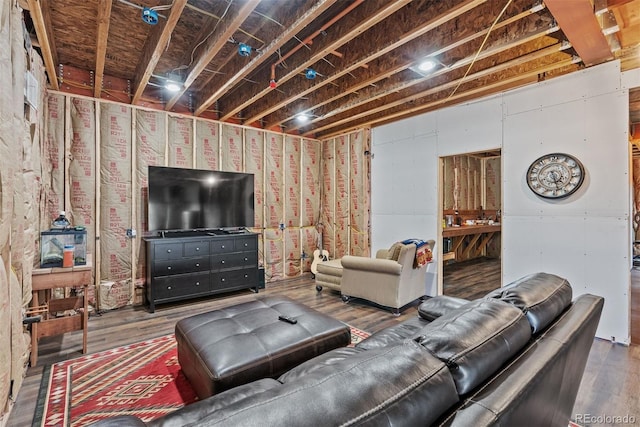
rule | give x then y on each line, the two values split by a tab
172	86
302	117
427	65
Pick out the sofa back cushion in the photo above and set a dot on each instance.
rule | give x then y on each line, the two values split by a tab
540	296
476	339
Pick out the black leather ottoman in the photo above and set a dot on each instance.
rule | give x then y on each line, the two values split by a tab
235	345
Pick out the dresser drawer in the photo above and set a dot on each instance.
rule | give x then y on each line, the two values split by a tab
195	249
249	243
179	266
167	250
246	277
181	285
222	245
233	260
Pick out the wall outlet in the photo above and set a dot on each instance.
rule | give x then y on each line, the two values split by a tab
131	233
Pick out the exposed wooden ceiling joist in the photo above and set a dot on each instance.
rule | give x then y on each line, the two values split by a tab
154	46
366	15
213	45
40	20
385	43
579	23
104	18
217	89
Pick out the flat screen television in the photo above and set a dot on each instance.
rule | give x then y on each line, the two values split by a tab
192	199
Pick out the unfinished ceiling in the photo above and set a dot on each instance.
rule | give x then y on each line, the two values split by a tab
344	64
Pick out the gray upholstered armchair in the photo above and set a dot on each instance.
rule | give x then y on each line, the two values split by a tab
389	279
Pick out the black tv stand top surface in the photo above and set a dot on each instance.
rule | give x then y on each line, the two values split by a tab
198	233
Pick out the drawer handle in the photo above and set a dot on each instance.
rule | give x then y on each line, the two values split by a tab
169	287
222	280
169	268
246	259
222	246
197	249
246	275
197	283
245	245
222	262
197	264
168	251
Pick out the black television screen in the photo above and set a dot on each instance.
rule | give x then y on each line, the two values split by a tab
193	199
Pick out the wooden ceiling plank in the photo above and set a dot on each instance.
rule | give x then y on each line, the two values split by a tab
213	45
47	47
153	48
403	100
579	23
401	58
104	18
215	90
390	42
382	92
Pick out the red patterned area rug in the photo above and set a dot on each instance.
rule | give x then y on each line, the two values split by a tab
142	379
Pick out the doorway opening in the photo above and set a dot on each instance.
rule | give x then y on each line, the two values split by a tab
471	232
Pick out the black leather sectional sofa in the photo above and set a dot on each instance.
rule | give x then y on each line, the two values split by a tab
513	358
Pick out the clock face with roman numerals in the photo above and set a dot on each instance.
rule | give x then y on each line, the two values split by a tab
554	176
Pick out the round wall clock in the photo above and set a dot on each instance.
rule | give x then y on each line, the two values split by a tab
556	175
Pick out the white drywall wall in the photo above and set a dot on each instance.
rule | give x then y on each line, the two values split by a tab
585	238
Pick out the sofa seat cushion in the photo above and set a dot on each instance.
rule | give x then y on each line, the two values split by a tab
398	385
332	267
540	296
476	339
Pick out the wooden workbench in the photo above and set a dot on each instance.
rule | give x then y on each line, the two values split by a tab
43	280
472	247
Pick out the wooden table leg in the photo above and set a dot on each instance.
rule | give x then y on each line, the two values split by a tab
85	319
34	331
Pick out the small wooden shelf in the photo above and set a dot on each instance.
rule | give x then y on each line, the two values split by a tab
46	279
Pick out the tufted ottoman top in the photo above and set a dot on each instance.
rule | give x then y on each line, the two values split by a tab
224	348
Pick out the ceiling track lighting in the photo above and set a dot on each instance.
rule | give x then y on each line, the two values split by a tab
149	16
310	73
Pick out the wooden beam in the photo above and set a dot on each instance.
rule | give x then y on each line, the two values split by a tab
153	48
213	91
395	82
364	16
47	47
228	27
381	116
104	17
579	23
394	38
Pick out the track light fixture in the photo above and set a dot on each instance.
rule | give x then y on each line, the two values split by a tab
310	73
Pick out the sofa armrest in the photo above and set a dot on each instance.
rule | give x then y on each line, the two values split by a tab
371	264
435	307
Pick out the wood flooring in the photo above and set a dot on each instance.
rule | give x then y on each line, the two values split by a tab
611	384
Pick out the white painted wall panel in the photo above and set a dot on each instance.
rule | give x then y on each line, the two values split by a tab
585	238
471	127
